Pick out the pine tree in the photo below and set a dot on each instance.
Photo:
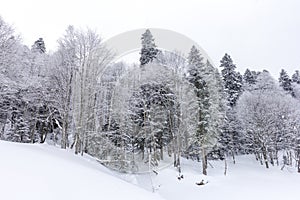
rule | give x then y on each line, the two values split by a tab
232	80
285	82
249	77
230	138
39	46
149	50
217	109
296	77
152	110
196	77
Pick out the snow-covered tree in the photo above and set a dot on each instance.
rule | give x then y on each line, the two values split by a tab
217	108
266	114
233	88
10	52
149	50
249	79
80	60
296	77
156	109
24	91
285	82
232	79
62	78
39	46
7	62
296	90
153	109
204	79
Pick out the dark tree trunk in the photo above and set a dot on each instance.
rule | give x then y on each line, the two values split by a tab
264	151
271	158
298	165
2	131
204	162
233	157
225	168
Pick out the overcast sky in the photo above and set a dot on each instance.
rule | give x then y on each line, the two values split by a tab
258	34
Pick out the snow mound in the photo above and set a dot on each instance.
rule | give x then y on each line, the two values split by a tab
29	172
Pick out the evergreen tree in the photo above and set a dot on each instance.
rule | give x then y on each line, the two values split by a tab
196	77
232	80
217	109
149	50
285	82
152	109
296	77
249	77
39	46
230	138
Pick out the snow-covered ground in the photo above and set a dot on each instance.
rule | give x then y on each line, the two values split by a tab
29	172
245	180
42	172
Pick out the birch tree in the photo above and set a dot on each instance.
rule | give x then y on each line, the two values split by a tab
83	57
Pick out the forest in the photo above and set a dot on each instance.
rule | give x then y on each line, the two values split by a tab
137	117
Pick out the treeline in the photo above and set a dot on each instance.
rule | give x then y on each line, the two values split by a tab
132	117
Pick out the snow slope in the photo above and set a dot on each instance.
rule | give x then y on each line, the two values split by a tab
247	180
29	172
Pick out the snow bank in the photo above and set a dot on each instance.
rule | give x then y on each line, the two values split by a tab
29	172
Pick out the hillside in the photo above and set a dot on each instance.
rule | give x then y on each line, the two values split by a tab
46	172
29	172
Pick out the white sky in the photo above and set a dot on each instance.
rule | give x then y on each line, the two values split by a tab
258	34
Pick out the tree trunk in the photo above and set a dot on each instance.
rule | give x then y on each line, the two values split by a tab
260	159
204	162
43	137
276	157
32	131
178	163
264	151
291	158
77	143
298	165
271	158
2	131
233	157
64	138
225	168
256	156
175	152
143	151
